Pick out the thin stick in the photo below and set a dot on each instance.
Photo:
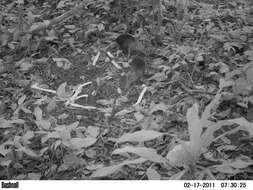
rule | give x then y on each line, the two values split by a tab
141	95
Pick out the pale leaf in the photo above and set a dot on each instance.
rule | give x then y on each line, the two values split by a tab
61	91
147	153
178	155
138	116
28	135
178	175
207	112
3	150
45	124
159	107
79	143
21	100
38	113
140	136
227	169
208	137
124	112
34	176
5	123
224	83
153	174
105	171
92	131
244	123
72	126
5	163
9	123
28	151
195	128
17	121
193	121
240	164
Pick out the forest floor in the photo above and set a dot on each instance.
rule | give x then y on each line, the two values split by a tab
64	111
